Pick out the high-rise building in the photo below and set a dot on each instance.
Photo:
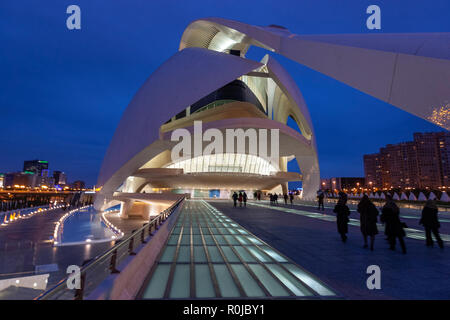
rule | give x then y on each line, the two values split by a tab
421	163
372	168
35	166
341	183
60	178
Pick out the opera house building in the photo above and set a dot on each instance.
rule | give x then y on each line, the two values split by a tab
209	80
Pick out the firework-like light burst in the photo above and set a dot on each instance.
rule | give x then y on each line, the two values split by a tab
441	116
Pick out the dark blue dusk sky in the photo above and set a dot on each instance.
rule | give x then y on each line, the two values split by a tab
62	92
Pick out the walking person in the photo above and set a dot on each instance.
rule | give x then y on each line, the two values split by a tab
320	197
291	198
244	197
285	196
342	212
368	220
390	216
275	198
240	198
431	223
235	198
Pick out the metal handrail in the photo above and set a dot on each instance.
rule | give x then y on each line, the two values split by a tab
111	254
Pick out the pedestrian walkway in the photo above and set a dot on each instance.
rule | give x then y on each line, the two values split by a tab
26	246
208	255
314	243
410	232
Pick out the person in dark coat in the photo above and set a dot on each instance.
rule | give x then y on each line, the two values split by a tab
244	198
431	223
390	216
342	212
240	198
235	197
320	196
285	196
368	220
291	198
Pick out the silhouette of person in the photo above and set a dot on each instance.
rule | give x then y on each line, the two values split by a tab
320	197
244	197
291	198
235	197
431	223
240	199
285	196
390	215
342	212
368	220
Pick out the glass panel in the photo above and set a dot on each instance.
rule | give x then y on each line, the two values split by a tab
249	284
199	254
157	285
258	254
209	240
203	283
242	240
254	240
272	285
186	240
168	254
227	286
197	240
214	254
247	257
174	239
229	254
273	254
184	254
309	280
231	239
181	282
220	239
289	280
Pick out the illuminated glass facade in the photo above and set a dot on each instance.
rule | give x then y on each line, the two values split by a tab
226	162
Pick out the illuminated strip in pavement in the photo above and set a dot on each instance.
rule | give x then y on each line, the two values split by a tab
410	232
208	255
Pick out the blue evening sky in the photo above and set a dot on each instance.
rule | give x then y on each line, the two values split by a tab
62	92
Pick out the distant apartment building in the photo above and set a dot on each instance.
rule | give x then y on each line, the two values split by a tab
20	180
341	183
421	163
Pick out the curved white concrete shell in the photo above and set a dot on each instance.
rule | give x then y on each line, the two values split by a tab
409	71
137	158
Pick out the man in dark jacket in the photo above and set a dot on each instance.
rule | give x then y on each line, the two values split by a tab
390	216
368	220
431	223
235	197
320	196
342	212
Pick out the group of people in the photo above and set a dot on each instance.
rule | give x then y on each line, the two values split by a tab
390	216
274	198
241	197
